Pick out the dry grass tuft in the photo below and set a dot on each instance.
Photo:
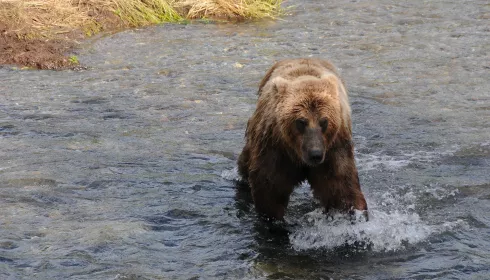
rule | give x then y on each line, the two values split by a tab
34	18
230	9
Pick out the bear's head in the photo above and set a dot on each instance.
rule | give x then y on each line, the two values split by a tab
310	115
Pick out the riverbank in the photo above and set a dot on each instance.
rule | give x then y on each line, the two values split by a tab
38	34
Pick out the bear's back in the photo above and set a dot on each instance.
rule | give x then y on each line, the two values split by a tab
293	69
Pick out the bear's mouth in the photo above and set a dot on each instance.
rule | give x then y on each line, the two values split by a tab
313	157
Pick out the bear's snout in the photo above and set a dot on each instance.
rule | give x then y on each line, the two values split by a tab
313	149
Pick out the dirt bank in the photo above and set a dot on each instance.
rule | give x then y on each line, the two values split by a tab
34	53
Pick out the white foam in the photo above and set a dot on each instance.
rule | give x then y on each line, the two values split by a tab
231	174
440	193
393	225
383	232
379	160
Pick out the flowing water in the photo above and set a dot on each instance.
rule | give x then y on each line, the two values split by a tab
126	170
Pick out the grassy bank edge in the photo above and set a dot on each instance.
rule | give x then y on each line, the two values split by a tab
37	33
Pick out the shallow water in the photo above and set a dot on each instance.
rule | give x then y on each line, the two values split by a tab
125	170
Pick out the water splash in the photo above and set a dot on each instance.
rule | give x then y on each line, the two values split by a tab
380	161
393	222
231	174
383	232
392	226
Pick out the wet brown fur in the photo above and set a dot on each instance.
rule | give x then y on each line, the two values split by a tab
272	161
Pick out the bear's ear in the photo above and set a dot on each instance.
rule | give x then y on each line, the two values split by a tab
330	83
279	84
330	80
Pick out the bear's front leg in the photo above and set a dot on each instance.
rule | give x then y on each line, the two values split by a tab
272	181
336	183
270	198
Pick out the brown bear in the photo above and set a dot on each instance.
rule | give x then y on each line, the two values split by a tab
301	129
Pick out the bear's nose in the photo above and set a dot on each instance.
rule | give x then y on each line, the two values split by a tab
315	155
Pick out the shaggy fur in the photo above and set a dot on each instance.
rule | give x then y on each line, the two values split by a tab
301	129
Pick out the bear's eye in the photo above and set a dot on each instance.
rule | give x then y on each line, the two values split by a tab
324	124
301	124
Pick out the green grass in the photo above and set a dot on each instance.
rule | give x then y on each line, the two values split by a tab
140	13
73	60
263	9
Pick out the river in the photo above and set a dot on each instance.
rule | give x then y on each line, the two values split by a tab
126	170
